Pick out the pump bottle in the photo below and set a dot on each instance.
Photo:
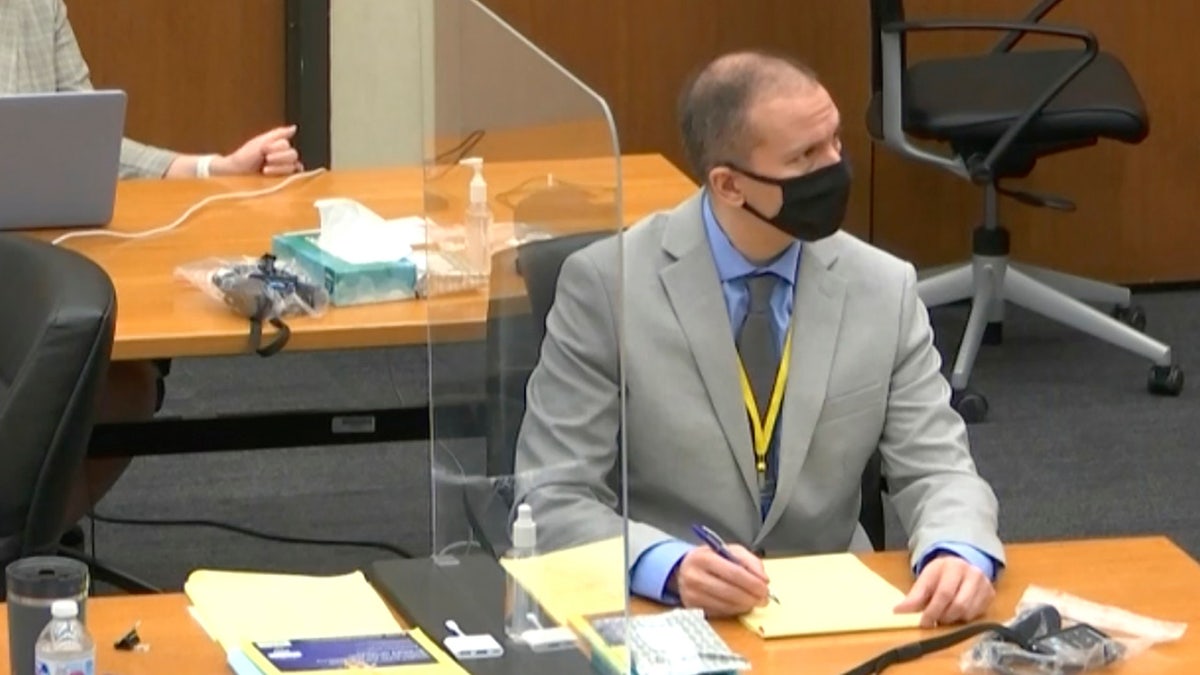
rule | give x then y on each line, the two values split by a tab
477	222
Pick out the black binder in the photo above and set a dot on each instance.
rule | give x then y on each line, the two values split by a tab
471	592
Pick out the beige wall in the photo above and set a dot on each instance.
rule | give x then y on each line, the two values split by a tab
383	89
376	59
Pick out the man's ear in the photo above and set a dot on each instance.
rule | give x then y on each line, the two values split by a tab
723	183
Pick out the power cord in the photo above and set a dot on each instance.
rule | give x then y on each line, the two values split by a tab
455	155
225	196
462	147
237	529
246	531
436	475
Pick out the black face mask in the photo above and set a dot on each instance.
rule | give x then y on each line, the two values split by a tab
814	204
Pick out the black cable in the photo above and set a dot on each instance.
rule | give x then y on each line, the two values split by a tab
463	147
459	151
238	529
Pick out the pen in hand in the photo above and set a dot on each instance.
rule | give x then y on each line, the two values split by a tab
717	544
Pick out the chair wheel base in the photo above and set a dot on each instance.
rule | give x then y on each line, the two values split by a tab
1165	380
993	333
1133	316
971	405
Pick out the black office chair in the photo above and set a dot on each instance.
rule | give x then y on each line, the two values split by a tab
1000	112
488	507
58	312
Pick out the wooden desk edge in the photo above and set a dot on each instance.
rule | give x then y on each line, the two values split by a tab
169	627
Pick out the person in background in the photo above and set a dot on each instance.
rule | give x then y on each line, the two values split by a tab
39	54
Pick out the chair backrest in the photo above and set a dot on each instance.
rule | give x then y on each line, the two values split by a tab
538	263
882	12
58	313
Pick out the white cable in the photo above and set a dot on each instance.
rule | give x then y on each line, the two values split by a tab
466	544
225	196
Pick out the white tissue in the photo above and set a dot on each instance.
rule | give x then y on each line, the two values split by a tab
359	236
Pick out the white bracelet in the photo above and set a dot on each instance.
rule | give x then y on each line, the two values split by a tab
203	165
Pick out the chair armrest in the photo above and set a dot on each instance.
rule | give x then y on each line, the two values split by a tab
979	171
1035	14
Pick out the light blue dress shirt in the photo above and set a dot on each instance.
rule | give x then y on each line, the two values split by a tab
650	572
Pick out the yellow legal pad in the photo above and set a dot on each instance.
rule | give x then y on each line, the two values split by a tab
579	585
823	594
578	581
237	608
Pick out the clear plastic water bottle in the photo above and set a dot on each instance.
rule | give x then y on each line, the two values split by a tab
64	647
520	609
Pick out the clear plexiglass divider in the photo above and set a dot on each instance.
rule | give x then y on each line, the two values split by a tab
521	169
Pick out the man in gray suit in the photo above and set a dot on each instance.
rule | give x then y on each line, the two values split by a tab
767	356
39	54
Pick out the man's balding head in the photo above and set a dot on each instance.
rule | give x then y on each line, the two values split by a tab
714	106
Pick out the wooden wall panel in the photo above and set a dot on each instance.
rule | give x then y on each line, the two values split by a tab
1136	219
637	54
202	75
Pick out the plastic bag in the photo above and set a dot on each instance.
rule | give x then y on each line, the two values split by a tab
1069	635
261	288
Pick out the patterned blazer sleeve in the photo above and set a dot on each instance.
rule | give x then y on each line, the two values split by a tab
138	160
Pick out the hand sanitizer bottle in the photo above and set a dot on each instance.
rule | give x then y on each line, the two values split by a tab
520	608
478	221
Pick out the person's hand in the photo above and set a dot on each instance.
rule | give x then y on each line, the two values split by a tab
949	590
721	588
270	154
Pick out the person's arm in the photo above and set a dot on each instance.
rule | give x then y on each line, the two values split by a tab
938	494
651	573
977	558
137	159
567	447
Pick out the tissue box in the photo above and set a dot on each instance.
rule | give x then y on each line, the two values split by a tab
347	283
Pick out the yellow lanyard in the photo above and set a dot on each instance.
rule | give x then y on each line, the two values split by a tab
762	429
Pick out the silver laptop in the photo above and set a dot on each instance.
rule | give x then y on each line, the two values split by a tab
59	158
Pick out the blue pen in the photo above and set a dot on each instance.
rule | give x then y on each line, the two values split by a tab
717	544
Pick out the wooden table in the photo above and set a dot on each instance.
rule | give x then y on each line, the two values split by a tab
1150	576
161	317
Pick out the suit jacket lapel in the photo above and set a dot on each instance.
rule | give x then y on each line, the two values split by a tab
817	318
695	294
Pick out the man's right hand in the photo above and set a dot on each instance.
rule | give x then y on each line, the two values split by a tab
707	581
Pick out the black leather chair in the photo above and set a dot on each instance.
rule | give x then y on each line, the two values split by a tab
58	312
998	113
539	263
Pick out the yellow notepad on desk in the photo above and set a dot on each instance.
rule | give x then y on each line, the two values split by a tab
824	594
239	609
583	580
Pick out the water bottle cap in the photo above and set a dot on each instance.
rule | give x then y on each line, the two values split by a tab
64	609
524	530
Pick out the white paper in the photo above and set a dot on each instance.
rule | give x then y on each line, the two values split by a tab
360	236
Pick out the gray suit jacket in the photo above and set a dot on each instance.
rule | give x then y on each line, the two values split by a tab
38	53
864	375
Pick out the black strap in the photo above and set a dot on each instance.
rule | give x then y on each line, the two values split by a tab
915	650
281	337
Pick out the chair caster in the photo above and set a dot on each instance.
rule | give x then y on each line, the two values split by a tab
1133	316
972	406
1165	380
993	333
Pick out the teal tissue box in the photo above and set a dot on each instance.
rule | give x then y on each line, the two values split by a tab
347	283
